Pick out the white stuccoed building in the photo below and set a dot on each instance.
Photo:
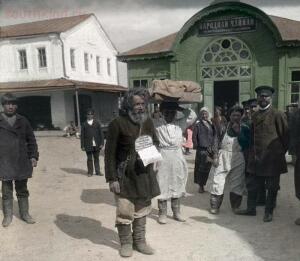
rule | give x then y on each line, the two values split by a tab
53	65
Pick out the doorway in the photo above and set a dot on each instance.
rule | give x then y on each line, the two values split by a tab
226	93
37	109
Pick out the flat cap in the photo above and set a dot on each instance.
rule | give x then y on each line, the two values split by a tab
8	98
252	102
264	90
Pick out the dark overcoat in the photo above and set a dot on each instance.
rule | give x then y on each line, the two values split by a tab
138	181
269	143
294	146
88	132
17	147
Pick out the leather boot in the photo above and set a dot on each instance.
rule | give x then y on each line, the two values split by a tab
175	205
297	221
251	205
162	211
24	210
270	204
7	206
125	236
139	236
235	201
215	203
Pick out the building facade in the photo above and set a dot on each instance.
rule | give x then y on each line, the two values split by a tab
55	65
229	48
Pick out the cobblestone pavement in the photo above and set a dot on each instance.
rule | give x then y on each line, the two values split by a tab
75	220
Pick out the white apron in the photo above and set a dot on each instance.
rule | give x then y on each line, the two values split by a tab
172	170
231	167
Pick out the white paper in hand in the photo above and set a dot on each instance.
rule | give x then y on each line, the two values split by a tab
146	150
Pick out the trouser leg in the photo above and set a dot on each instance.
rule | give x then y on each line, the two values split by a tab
261	195
252	184
235	201
272	185
89	155
21	188
7	189
96	161
7	202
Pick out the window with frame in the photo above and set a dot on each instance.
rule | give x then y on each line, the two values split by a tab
98	65
72	58
23	59
108	66
295	86
86	62
140	83
42	57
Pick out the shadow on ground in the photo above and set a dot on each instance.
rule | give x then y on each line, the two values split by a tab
74	171
86	228
264	238
97	196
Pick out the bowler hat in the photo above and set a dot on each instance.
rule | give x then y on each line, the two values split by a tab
264	90
8	98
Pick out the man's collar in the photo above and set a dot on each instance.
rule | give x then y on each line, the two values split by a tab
265	108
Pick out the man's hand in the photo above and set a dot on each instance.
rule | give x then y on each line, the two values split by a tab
114	186
33	162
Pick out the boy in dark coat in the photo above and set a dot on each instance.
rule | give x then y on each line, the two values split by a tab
18	156
92	141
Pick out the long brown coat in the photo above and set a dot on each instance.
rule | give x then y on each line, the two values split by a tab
17	147
138	181
269	143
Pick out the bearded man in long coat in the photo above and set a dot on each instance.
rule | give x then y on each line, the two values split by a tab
133	184
266	161
18	156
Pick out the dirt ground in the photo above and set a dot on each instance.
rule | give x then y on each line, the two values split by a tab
75	219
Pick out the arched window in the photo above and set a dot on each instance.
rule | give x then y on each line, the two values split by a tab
226	58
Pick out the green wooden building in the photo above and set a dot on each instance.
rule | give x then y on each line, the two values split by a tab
229	48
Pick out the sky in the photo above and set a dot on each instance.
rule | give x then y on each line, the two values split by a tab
130	23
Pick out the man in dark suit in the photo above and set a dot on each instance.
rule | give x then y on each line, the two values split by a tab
92	141
266	161
18	155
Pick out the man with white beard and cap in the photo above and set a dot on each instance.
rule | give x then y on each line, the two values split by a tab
133	184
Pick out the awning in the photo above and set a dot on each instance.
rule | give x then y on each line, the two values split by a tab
58	84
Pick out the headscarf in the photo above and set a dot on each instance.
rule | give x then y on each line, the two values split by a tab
207	110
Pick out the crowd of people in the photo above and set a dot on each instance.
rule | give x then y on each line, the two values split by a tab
244	150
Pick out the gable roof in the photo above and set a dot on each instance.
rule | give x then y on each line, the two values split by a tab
57	25
288	29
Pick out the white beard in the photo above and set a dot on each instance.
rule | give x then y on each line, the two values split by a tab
138	118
